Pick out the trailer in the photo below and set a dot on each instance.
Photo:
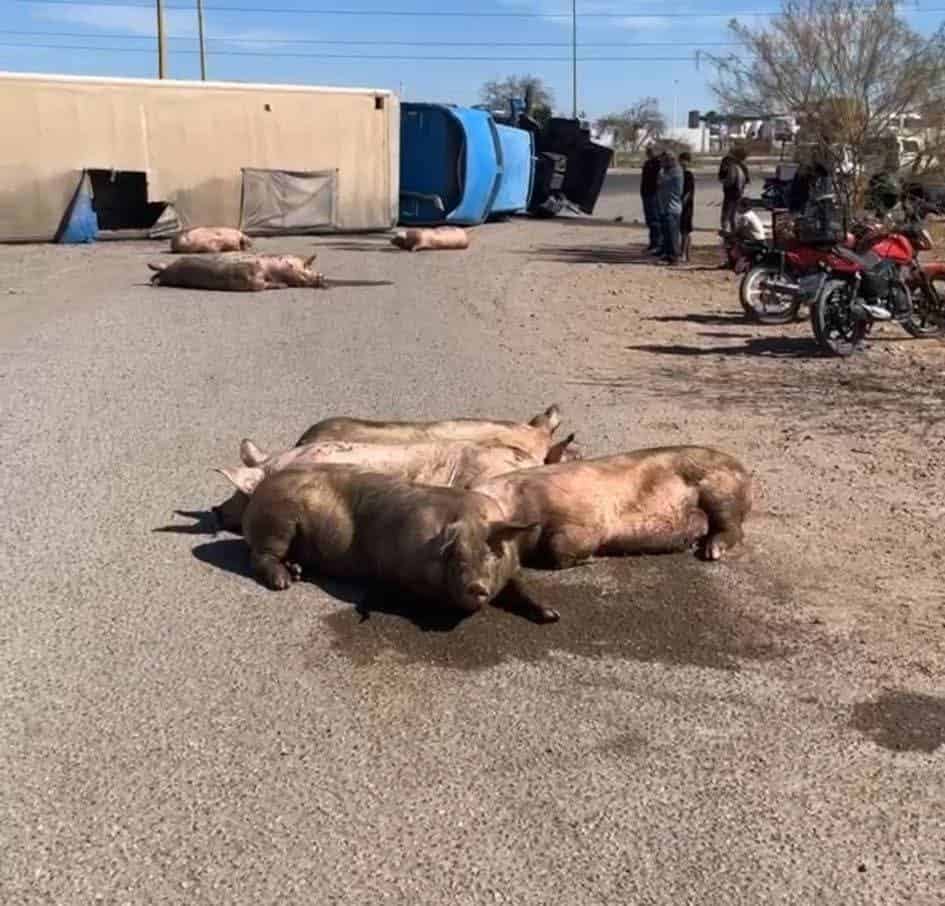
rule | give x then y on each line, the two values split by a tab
149	156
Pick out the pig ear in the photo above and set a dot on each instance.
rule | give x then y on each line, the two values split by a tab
557	451
548	420
251	454
448	537
310	260
243	478
500	532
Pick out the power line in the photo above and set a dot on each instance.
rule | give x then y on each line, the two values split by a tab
458	14
436	13
99	36
320	56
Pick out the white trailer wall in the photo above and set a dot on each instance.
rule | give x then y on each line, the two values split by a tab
191	139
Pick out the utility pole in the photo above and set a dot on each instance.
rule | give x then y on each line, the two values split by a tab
162	49
203	50
574	104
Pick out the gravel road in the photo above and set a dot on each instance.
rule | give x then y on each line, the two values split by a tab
765	730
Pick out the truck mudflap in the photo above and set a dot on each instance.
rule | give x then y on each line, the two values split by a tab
584	179
587	161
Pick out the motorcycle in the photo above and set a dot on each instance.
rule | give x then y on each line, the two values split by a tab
742	253
788	273
879	280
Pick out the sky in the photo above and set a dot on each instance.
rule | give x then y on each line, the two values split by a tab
627	49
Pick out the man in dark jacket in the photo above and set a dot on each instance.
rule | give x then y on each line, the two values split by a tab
733	174
649	186
670	200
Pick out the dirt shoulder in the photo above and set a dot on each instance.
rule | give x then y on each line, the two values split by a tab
849	455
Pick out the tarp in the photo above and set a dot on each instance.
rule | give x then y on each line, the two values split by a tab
277	202
80	223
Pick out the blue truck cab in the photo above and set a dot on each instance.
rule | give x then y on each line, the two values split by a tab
462	165
451	165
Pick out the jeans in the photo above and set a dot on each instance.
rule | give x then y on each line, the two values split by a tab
651	214
729	209
671	237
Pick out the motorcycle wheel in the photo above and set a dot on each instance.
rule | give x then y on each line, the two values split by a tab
928	310
763	305
836	329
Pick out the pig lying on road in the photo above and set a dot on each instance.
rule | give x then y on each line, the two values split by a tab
210	239
440	543
648	501
238	273
533	438
416	240
438	463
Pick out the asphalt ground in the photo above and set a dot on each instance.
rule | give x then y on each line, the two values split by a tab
171	732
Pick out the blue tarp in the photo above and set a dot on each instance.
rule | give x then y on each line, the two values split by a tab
80	223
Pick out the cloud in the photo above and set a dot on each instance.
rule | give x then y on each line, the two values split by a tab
143	23
122	20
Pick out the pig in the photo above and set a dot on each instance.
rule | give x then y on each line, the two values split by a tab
210	239
533	438
648	501
250	273
291	270
436	463
416	240
442	544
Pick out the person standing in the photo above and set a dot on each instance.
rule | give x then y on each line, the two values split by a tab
733	174
688	204
649	188
670	199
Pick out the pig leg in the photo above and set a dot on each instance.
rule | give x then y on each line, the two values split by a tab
548	420
514	599
660	535
569	546
726	502
272	538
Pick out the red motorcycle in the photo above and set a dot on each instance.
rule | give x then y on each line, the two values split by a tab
789	272
880	280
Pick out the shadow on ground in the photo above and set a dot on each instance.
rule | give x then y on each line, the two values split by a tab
768	347
364	246
702	259
902	721
332	283
669	609
696	318
778	377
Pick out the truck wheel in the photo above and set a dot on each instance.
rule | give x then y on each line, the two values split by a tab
550	207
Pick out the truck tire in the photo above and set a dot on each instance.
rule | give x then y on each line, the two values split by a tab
550	207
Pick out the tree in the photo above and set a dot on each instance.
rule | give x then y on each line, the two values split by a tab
636	126
496	94
848	70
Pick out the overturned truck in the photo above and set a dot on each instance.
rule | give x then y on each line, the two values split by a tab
87	157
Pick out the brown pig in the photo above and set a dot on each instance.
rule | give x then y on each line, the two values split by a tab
237	273
533	438
446	545
210	239
438	463
416	240
649	501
